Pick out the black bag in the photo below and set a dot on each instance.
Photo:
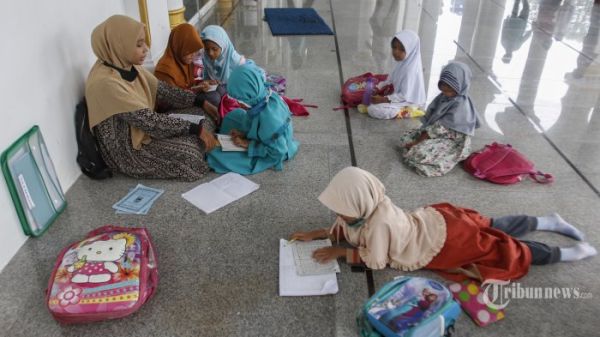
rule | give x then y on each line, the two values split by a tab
88	153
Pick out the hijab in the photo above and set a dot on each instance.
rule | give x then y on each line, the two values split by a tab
268	116
407	75
184	40
387	234
247	85
221	68
456	113
107	92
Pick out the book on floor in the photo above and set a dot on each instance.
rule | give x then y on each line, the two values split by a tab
220	192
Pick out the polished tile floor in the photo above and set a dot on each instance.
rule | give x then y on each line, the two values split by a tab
536	85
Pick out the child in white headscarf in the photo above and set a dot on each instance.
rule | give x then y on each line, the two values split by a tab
456	242
406	77
444	138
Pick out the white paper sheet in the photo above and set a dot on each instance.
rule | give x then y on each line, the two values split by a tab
291	284
219	192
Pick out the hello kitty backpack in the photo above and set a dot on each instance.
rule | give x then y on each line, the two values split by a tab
109	274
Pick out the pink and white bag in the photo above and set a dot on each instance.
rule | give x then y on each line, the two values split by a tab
109	274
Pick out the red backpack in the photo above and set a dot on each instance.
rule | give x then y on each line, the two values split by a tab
502	164
354	89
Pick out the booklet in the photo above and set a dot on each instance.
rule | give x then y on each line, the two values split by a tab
139	200
304	262
220	192
227	144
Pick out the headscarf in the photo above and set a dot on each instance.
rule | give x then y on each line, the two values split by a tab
184	40
456	113
247	85
354	192
407	75
107	93
221	68
406	241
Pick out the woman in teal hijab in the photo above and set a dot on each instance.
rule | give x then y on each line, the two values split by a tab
263	127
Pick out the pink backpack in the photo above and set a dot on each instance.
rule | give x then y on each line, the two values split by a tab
502	164
354	89
109	274
297	108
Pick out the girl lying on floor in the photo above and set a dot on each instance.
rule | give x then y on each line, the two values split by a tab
444	139
456	242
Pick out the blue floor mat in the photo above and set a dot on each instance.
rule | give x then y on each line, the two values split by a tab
296	21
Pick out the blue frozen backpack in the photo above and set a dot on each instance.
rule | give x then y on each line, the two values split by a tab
409	307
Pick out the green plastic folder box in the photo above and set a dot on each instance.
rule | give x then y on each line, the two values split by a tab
32	182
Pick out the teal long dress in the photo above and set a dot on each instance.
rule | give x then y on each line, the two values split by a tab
267	126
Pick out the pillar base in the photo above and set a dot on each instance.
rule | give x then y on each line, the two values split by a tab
176	17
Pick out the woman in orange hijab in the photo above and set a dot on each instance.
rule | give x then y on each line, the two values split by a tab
177	69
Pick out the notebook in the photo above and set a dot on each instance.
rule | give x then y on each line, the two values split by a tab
220	192
292	284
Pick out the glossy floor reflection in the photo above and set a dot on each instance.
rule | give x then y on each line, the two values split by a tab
536	86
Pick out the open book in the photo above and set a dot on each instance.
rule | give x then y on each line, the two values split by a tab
219	192
227	144
292	284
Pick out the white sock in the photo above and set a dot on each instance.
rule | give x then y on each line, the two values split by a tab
554	223
578	252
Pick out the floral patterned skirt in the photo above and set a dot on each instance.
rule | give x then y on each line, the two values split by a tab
437	155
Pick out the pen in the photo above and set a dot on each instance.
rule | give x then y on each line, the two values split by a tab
292	240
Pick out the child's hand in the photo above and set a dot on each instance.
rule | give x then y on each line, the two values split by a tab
239	139
326	254
236	133
302	236
423	136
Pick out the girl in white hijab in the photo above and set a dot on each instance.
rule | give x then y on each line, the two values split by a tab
454	241
406	77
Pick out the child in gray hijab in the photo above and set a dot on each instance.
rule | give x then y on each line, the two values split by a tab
444	138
